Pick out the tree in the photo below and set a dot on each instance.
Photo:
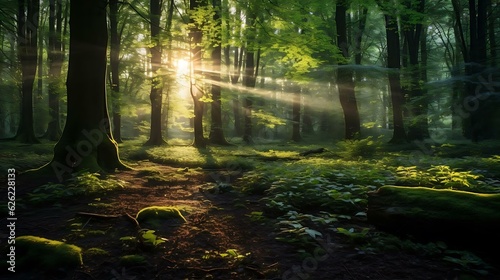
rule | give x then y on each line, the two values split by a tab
216	133
412	19
27	29
195	36
86	142
156	95
115	65
394	65
345	75
55	57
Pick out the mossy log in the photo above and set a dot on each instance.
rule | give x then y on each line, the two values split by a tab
467	219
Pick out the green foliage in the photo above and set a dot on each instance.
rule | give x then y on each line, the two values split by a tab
150	239
356	149
80	184
49	255
253	182
438	176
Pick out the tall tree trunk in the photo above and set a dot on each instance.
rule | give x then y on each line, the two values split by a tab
234	77
86	142
27	28
474	125
55	57
248	81
196	35
394	65
115	65
156	95
491	33
216	133
345	76
296	136
307	114
418	127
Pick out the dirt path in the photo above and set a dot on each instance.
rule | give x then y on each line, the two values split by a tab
218	241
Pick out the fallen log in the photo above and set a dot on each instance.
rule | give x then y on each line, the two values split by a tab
467	219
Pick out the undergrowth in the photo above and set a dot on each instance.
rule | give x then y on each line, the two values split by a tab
80	184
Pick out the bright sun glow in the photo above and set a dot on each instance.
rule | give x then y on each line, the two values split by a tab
182	67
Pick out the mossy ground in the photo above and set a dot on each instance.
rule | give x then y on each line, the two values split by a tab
250	218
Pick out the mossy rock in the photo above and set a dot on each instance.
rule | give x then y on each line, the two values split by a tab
458	217
155	213
38	253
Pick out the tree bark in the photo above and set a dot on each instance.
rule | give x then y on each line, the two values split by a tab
115	65
418	127
248	81
196	35
296	136
156	94
394	65
216	133
55	57
345	76
27	28
86	142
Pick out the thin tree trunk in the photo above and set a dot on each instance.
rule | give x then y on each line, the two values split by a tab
296	136
248	81
196	35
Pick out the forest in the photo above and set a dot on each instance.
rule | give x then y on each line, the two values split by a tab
250	139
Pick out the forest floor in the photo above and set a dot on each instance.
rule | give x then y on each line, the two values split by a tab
224	236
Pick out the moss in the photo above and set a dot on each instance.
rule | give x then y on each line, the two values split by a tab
446	204
132	260
159	213
40	253
92	252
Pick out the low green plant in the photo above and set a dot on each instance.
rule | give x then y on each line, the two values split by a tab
437	176
362	148
80	184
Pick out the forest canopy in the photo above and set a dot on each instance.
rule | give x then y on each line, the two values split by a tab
262	70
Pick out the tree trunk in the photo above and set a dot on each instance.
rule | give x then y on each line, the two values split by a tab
115	64
248	81
55	57
296	137
345	77
196	35
234	77
86	142
418	127
27	28
394	65
216	133
156	95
